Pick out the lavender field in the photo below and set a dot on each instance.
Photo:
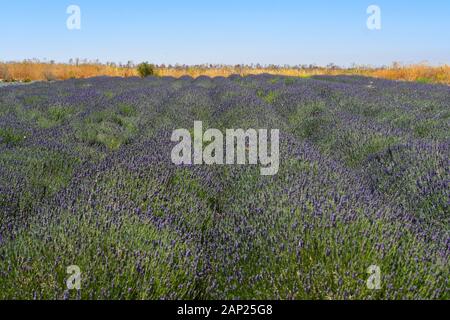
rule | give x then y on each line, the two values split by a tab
86	179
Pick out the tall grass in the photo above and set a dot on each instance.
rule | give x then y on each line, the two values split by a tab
23	71
31	71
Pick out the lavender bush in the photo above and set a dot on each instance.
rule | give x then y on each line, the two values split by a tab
86	179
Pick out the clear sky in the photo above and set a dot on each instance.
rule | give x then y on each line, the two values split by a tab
228	31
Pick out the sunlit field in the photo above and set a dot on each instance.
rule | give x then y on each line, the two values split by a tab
33	71
86	179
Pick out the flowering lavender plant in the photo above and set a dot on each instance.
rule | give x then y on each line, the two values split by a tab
86	179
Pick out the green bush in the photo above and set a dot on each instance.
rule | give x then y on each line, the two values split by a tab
145	69
8	136
109	129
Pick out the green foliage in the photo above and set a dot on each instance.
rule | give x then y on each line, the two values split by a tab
425	128
311	121
43	172
47	118
33	100
10	137
363	148
120	251
127	110
274	80
109	94
145	69
289	81
403	173
269	97
424	80
112	129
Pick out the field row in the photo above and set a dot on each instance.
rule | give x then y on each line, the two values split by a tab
86	179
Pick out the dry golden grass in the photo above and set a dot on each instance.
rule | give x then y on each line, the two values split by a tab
420	73
30	71
25	71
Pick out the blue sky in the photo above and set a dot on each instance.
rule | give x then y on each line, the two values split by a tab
227	31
